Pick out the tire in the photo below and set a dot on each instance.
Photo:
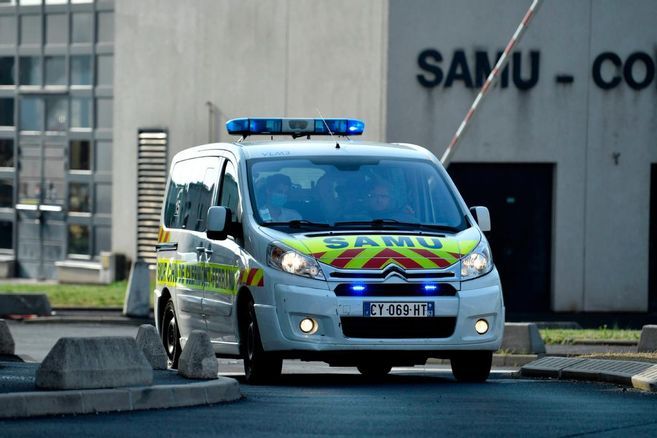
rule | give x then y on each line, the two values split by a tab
371	369
259	366
171	335
472	366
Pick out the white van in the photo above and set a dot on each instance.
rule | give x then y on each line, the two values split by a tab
353	253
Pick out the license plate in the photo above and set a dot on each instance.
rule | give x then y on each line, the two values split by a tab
397	310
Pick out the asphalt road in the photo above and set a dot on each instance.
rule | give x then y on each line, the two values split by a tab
313	399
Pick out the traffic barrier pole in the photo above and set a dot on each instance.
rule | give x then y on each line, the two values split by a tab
494	74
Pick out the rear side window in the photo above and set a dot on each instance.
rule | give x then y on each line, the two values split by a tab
229	190
191	192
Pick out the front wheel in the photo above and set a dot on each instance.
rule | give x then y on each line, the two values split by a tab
472	366
171	335
259	366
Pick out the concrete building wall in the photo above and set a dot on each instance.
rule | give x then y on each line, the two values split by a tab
601	209
246	58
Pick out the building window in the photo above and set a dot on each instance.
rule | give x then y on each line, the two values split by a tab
82	27
31	29
56	119
30	70
6	152
6	111
7	71
78	239
55	70
79	153
81	70
6	193
56	29
6	234
80	112
78	197
31	114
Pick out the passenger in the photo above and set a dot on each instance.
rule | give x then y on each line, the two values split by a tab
277	189
327	201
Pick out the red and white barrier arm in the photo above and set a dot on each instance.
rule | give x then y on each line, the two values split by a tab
494	74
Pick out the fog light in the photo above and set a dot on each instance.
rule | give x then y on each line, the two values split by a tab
481	326
308	325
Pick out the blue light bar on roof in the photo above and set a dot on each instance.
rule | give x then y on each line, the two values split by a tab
285	126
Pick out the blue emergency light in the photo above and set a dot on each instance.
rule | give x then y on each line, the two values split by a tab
294	127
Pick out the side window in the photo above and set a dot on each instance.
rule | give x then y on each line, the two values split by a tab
192	188
229	190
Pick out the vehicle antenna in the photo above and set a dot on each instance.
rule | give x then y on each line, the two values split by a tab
337	145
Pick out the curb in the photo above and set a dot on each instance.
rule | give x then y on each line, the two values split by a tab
639	375
118	320
39	403
499	360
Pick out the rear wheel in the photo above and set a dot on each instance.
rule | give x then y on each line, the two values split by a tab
259	366
171	335
371	369
472	366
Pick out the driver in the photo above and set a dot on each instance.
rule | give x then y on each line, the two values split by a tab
381	205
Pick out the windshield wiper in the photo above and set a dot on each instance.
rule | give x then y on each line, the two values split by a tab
380	223
300	223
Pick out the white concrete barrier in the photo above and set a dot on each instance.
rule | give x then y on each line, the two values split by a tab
522	338
648	339
7	345
148	340
102	362
197	360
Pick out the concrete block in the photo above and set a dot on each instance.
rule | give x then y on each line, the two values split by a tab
77	271
53	402
7	266
522	338
148	340
102	362
7	345
106	400
197	360
25	304
648	339
156	397
646	380
227	390
603	370
137	295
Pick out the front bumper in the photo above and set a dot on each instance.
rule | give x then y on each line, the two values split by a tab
477	299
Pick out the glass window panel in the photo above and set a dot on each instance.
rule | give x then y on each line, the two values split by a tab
56	29
6	111
31	115
82	27
80	112
6	152
104	156
78	239
31	29
103	198
7	70
55	70
105	69
30	70
103	240
78	197
104	113
79	153
30	2
81	70
56	117
6	193
8	30
6	234
105	27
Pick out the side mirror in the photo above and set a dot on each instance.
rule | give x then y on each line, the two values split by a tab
218	223
482	217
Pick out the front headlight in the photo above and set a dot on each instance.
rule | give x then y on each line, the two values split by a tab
292	262
478	262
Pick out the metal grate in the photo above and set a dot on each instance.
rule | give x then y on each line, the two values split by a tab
151	182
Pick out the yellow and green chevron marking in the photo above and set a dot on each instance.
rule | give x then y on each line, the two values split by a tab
378	251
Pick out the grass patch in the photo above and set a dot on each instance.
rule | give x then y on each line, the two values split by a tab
74	295
604	333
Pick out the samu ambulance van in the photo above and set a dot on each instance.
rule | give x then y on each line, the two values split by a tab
354	253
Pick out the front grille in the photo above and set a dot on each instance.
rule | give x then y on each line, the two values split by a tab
398	328
395	290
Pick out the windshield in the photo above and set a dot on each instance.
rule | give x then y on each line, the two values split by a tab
359	192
